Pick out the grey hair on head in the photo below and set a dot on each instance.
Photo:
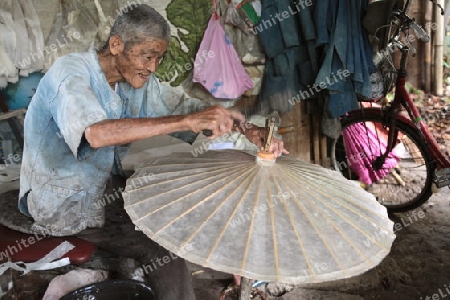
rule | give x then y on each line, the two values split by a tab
140	23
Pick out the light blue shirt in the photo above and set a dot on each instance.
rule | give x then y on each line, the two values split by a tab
62	178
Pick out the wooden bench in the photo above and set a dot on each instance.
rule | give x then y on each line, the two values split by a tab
16	246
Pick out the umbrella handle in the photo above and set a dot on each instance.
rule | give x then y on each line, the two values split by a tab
266	157
270	125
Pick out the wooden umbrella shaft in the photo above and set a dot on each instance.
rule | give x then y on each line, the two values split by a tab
270	125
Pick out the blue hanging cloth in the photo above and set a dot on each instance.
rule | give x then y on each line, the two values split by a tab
287	34
347	65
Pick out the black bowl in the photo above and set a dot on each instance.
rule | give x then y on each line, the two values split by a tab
116	289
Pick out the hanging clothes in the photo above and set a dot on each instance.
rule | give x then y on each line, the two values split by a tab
347	64
287	34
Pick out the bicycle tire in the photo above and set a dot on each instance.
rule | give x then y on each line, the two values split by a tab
417	169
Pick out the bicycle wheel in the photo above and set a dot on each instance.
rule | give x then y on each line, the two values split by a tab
404	181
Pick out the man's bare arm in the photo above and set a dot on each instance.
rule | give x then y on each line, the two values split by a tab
123	131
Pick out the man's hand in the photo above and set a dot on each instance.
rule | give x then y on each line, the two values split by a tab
217	119
256	135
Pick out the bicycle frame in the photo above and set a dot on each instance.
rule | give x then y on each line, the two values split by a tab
402	99
398	117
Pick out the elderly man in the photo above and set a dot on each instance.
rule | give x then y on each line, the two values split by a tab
87	110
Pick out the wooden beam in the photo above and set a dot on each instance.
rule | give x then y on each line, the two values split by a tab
13	114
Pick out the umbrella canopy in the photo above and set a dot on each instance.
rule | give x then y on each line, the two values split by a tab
283	220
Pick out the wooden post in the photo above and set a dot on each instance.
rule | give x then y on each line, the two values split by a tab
428	13
296	132
325	161
438	50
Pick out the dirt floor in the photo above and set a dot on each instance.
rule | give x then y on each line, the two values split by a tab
419	263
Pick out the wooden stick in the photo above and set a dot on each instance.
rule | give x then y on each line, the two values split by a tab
438	50
428	9
246	289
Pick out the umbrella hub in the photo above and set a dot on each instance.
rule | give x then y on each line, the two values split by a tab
266	159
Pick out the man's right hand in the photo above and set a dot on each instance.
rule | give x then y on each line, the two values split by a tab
217	119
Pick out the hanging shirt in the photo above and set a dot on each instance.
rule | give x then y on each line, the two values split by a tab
63	178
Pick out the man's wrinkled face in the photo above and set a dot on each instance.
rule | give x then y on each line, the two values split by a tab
138	62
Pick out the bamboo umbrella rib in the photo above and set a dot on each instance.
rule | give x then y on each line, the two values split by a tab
306	171
350	208
202	202
215	211
279	189
218	173
338	199
300	206
316	173
357	228
344	218
216	170
213	249
327	218
297	234
188	166
304	210
182	156
309	176
247	244
275	245
345	203
184	196
184	165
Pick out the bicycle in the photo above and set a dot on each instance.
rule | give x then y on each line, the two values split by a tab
386	134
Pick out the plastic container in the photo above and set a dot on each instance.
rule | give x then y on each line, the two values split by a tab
113	290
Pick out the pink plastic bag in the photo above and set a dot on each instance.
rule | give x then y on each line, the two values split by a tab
218	66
